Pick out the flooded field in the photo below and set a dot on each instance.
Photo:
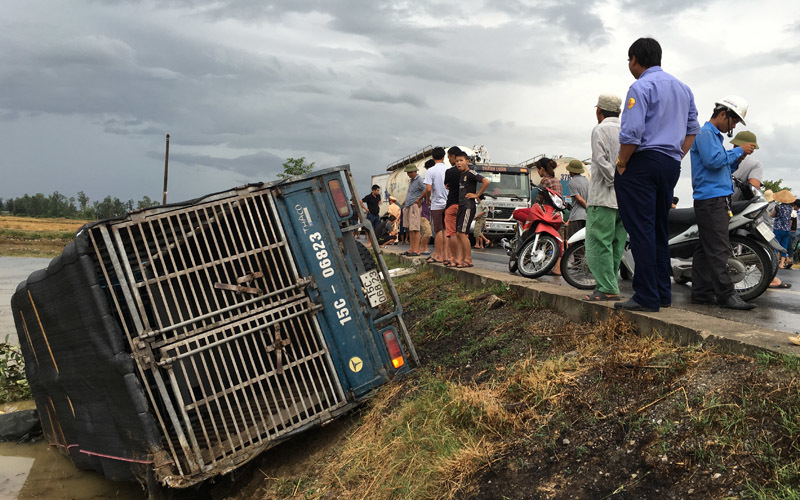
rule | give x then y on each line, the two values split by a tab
39	471
14	270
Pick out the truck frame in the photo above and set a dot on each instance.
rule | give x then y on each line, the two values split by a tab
181	341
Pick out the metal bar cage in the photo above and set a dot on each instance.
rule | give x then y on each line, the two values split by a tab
221	326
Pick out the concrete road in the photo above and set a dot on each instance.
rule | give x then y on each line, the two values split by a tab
14	270
777	309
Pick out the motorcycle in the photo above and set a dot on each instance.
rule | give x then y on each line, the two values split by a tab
751	266
537	245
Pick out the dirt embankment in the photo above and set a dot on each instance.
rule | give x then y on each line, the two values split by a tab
514	401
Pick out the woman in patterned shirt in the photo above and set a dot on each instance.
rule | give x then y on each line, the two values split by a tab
783	224
547	171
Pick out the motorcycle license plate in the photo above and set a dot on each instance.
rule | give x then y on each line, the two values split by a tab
373	288
765	231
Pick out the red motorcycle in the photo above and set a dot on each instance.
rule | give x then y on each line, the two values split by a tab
537	245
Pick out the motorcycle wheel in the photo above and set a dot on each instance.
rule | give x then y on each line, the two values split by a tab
776	262
758	267
512	266
680	281
575	267
534	262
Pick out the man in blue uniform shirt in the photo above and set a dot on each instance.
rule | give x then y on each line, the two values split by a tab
711	181
657	129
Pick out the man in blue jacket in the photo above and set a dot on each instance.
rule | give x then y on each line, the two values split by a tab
711	181
657	129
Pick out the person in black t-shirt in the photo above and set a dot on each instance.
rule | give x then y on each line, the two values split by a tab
373	206
451	176
468	182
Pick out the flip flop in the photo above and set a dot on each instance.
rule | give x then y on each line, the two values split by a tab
598	296
412	254
424	253
462	266
782	285
431	260
447	263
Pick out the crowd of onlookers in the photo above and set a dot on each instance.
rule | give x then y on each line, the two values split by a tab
636	162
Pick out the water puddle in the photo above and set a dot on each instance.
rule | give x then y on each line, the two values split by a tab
38	471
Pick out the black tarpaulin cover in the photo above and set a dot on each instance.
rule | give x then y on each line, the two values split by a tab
78	363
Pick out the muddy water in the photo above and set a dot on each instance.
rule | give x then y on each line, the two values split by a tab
14	270
39	471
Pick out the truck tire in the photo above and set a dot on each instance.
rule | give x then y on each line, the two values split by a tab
366	257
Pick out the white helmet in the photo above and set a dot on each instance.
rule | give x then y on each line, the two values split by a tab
736	104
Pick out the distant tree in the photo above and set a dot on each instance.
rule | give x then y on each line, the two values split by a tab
146	202
775	186
110	208
83	201
295	166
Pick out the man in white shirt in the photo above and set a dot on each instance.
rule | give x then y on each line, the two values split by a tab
436	191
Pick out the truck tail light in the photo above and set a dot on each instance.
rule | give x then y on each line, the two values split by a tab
339	199
395	352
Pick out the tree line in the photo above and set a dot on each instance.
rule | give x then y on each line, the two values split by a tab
73	207
78	207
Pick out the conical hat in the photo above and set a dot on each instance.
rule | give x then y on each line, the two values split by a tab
784	196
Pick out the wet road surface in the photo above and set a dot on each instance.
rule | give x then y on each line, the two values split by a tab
778	309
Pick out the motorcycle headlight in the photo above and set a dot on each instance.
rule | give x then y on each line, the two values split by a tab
755	214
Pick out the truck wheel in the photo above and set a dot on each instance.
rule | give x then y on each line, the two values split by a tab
366	257
575	267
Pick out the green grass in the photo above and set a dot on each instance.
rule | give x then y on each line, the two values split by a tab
36	235
13	384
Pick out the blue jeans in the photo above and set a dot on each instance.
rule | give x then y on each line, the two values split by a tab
783	240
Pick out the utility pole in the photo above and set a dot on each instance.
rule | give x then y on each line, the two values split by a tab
166	171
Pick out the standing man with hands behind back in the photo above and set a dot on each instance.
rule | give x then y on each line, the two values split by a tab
711	181
658	127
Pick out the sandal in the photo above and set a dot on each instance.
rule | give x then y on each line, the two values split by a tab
598	296
783	285
462	266
431	260
447	263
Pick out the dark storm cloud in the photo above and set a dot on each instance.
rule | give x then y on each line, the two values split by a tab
258	165
663	7
573	17
375	95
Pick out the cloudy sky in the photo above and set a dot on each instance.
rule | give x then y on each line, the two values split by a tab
89	88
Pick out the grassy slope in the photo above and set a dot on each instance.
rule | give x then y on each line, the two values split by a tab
513	401
32	237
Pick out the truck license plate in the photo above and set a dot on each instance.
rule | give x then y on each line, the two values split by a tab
765	231
373	288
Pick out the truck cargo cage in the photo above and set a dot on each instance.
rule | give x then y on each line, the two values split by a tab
226	329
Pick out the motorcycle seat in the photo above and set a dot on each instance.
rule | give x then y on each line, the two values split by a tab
739	206
686	216
681	216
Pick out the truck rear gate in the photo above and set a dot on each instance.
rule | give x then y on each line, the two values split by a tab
246	319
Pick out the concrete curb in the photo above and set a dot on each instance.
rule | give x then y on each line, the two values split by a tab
682	326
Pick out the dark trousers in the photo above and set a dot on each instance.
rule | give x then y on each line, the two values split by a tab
644	195
374	219
710	280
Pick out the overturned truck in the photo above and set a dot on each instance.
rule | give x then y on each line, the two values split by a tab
179	342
